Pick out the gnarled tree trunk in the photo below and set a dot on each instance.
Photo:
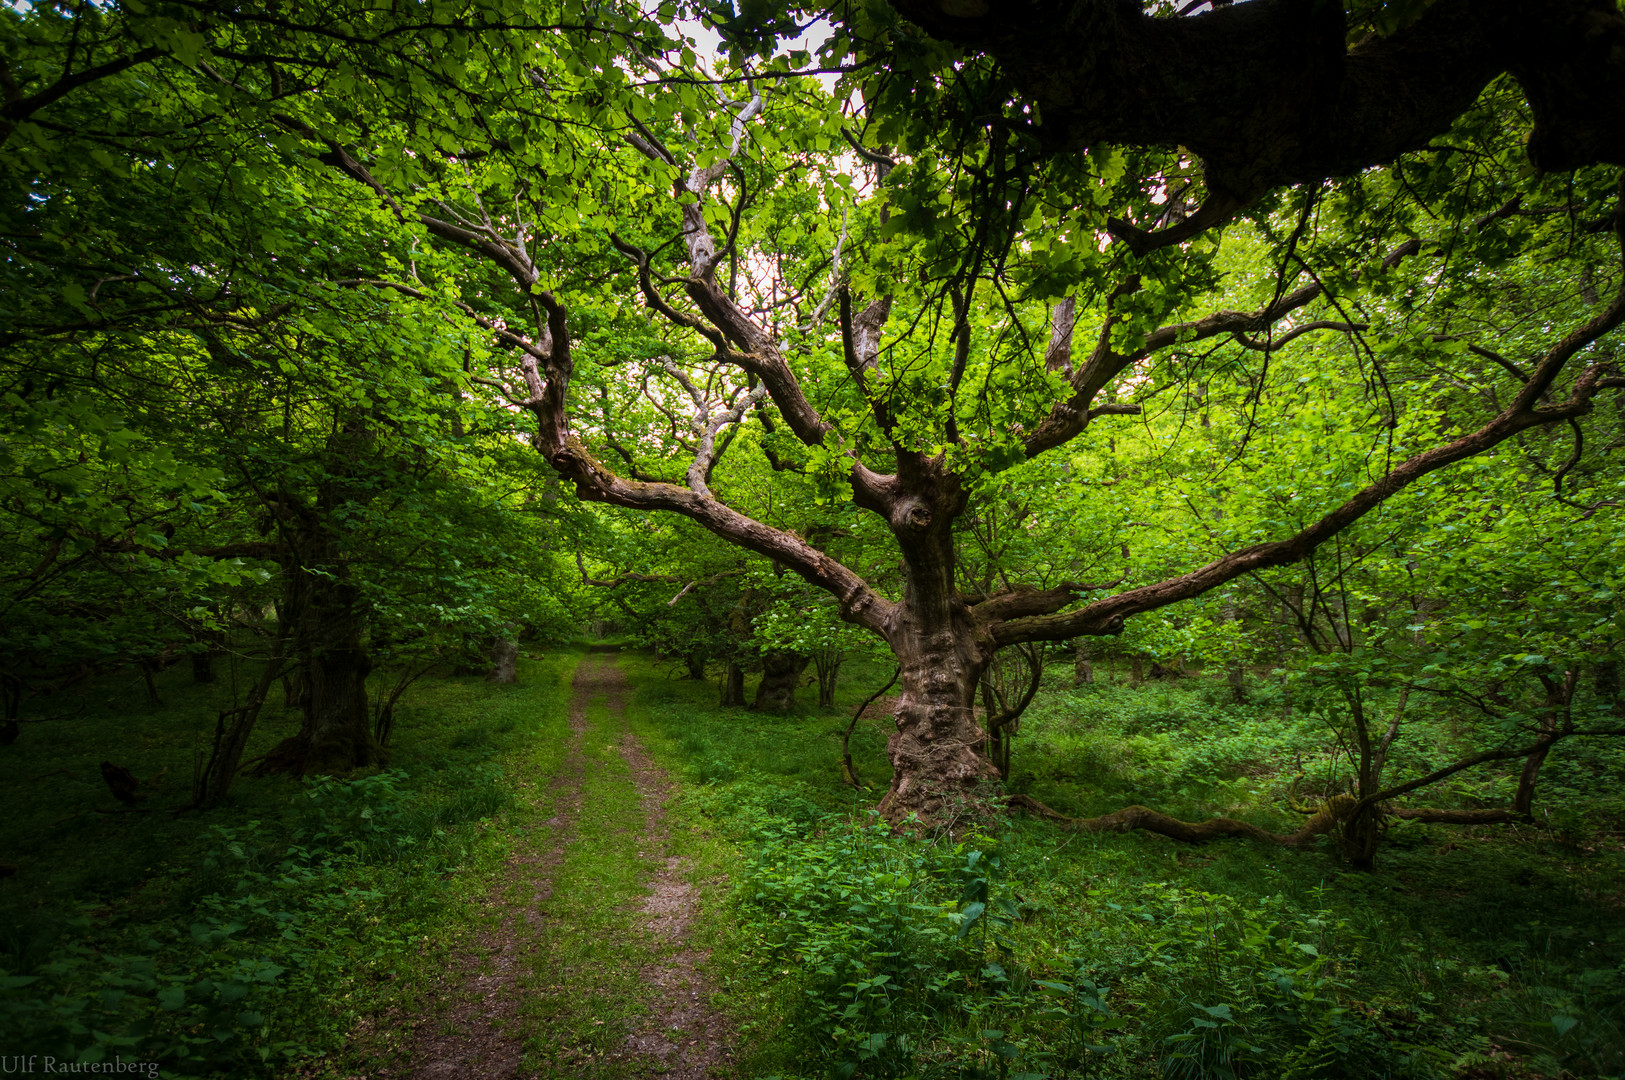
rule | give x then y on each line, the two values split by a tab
335	733
505	657
328	623
781	673
938	763
694	660
936	751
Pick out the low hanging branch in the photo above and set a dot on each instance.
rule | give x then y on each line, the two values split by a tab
1326	820
1331	818
849	772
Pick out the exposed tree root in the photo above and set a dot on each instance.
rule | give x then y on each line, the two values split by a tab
1330	819
1462	817
1325	820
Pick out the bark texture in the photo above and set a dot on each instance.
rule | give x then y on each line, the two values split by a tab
1083	667
781	674
733	685
505	658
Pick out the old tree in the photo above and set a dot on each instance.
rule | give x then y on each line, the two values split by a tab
1015	242
991	241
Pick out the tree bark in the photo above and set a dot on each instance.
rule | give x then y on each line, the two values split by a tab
939	768
335	733
695	662
827	662
505	657
1083	668
733	686
781	673
233	729
328	619
1235	677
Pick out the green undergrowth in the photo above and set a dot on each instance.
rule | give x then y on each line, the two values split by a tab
236	941
848	950
1184	747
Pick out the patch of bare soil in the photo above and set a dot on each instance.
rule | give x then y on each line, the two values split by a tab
475	1037
683	1038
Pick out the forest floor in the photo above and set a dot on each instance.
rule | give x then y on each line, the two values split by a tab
588	934
599	873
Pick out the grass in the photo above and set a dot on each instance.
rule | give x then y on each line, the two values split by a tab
1469	952
261	932
836	947
583	991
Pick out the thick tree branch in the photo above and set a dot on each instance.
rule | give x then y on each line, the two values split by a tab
860	347
1022	602
1269	93
859	603
1106	616
1067	419
19	108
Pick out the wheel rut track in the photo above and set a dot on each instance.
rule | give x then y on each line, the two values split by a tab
682	1037
477	1038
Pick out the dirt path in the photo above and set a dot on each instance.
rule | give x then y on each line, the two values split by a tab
477	1037
685	1038
482	1031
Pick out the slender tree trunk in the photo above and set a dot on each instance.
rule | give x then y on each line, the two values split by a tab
149	668
1554	716
1360	833
231	739
828	663
733	685
1235	674
1235	677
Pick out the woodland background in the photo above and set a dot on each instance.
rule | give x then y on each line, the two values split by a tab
1124	591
